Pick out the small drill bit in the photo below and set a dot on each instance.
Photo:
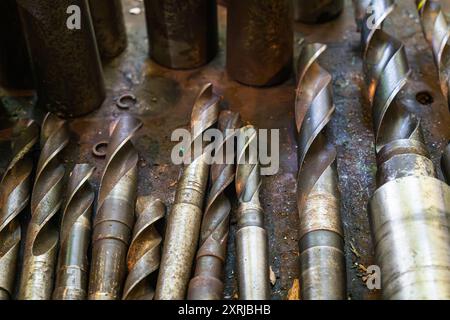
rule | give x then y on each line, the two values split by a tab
251	238
184	221
322	261
15	193
207	283
41	246
72	269
114	219
144	253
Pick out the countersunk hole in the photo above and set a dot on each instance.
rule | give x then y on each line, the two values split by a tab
425	98
99	149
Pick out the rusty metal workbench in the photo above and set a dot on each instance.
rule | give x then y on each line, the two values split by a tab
164	103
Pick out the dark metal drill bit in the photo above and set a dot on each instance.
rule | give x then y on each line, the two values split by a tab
182	34
322	261
109	26
410	210
317	11
251	237
15	194
207	283
41	246
113	223
144	253
183	225
72	269
65	59
259	41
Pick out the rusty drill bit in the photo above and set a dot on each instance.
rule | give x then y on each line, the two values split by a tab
251	237
410	210
114	220
144	253
42	237
445	163
184	221
322	260
15	193
72	269
317	11
207	283
109	26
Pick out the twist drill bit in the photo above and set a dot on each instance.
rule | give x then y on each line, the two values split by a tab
183	224
144	252
42	237
317	11
114	220
445	163
322	261
15	193
410	210
251	237
207	283
72	268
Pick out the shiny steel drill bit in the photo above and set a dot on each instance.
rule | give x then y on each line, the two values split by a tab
114	219
322	261
183	226
41	246
15	194
144	253
207	283
410	210
251	238
445	163
72	269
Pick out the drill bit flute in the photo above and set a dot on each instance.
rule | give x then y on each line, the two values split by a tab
251	237
184	221
42	237
15	193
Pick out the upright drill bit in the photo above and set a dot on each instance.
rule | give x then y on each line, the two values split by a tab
72	270
144	253
322	261
410	210
41	246
183	224
251	238
114	220
207	283
15	193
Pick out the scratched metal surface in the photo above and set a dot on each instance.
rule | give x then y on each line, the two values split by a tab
164	103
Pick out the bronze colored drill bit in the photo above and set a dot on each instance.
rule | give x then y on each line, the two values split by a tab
322	261
410	210
182	34
58	48
317	11
207	283
109	26
144	253
183	225
445	163
259	41
72	269
114	220
15	194
251	238
42	237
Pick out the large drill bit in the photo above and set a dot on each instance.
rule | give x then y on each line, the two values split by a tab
15	193
114	219
410	210
207	283
72	270
183	224
144	253
322	261
251	238
42	237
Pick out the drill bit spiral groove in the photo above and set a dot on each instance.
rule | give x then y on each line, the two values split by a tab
144	252
322	261
15	193
42	235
